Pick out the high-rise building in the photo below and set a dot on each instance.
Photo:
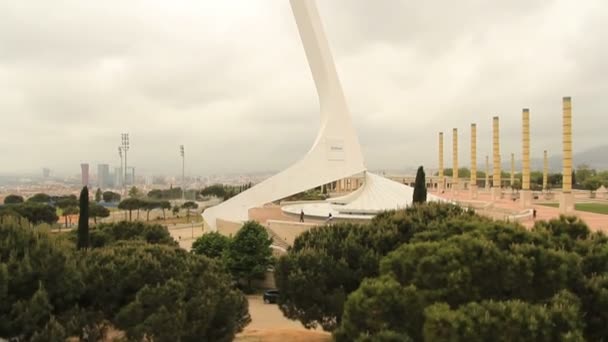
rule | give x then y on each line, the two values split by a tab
84	168
46	172
118	177
103	175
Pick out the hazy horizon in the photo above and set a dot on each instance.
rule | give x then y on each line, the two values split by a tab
230	81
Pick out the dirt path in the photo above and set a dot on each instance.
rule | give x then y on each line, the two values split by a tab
269	325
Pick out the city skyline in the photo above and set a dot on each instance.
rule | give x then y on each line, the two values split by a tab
192	81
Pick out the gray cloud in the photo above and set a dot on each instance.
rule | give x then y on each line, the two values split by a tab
230	80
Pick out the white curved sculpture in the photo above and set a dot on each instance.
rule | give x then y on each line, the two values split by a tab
335	154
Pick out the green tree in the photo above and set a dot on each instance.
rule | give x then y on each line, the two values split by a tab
40	282
393	306
419	187
334	260
560	320
106	234
39	198
592	183
160	279
148	206
66	201
83	220
134	192
13	199
109	196
37	213
213	245
189	205
175	210
583	172
49	291
97	210
249	255
164	205
129	204
67	212
69	206
217	190
98	195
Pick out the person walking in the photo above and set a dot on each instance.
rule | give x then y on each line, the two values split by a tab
534	213
301	215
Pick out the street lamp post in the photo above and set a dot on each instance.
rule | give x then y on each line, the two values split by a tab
125	148
181	151
120	175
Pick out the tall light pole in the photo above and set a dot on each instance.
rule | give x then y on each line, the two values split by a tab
181	152
125	148
120	175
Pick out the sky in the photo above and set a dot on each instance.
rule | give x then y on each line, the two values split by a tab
230	81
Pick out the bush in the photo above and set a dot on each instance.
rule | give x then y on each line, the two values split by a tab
135	279
213	245
327	263
105	234
483	276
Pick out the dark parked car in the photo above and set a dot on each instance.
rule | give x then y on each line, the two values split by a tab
271	296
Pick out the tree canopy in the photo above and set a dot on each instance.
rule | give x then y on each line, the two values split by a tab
109	196
39	198
419	187
249	254
13	199
438	273
83	220
213	245
49	291
34	212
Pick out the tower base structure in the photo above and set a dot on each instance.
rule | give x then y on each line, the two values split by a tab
525	197
496	193
566	203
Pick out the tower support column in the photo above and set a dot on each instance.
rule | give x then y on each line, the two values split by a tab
473	182
566	203
496	178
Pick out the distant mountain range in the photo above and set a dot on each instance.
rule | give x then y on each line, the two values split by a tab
596	158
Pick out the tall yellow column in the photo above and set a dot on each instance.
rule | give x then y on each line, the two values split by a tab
512	180
496	180
525	194
441	178
487	185
545	171
566	204
455	185
473	184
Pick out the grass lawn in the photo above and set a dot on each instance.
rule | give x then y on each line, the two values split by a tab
598	208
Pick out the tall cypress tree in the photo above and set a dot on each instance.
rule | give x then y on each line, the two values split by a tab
83	220
420	187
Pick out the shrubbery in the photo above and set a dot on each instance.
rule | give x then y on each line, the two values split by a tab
439	273
133	278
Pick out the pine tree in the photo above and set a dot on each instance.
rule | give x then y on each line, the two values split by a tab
420	187
83	220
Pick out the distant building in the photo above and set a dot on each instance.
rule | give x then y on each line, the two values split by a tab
46	172
84	169
130	177
103	176
118	177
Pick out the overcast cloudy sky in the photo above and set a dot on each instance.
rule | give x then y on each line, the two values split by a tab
229	80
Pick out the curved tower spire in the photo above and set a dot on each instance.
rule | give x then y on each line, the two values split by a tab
334	155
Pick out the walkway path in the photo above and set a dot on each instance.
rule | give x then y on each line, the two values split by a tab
597	222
